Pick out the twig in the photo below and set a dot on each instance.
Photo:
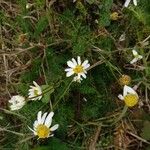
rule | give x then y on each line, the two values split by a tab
92	145
137	137
96	64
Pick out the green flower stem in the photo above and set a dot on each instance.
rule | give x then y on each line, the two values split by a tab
122	114
94	65
13	113
13	132
64	92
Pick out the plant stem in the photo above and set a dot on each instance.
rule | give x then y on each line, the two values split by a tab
122	114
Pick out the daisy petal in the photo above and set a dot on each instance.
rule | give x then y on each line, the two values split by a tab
35	84
48	120
85	63
39	117
127	90
55	127
120	96
135	2
68	69
134	52
69	73
127	3
32	130
79	75
86	66
43	118
70	64
79	60
83	75
35	124
51	135
140	57
134	61
74	61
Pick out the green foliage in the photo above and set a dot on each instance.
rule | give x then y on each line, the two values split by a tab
22	88
145	131
40	26
48	90
148	148
81	8
54	144
30	76
30	111
65	113
79	34
91	1
105	13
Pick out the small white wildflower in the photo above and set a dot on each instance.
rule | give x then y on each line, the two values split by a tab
84	99
136	57
16	102
28	5
77	79
41	126
78	68
34	91
127	2
122	37
129	96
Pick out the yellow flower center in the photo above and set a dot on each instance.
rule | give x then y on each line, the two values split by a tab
114	16
131	100
78	69
42	131
36	92
124	80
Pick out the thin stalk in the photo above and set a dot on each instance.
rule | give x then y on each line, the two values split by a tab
121	115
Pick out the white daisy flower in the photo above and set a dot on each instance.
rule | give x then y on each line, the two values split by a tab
127	2
129	96
41	126
34	91
136	57
78	68
16	102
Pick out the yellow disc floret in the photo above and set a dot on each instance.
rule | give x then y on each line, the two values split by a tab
78	69
42	131
131	100
114	16
36	92
124	80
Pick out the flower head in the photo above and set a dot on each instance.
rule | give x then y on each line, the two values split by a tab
34	91
114	16
129	96
77	68
127	2
124	80
41	126
136	57
17	102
